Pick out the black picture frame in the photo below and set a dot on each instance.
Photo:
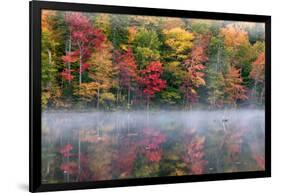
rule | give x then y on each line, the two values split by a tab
35	95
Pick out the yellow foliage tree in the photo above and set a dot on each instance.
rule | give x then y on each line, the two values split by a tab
234	36
180	41
101	73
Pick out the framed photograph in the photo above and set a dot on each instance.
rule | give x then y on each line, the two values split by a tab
126	96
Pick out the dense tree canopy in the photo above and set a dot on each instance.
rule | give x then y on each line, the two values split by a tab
115	62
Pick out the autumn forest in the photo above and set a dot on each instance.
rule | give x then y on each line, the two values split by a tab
113	62
128	96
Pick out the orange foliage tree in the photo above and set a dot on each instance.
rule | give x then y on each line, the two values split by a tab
257	74
194	66
234	89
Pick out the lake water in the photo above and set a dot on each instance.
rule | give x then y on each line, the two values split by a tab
91	146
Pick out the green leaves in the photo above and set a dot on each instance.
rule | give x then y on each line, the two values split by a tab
179	41
146	47
100	60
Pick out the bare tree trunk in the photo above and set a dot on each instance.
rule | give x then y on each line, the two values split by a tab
68	63
117	96
80	68
67	175
98	98
262	94
128	102
147	110
120	95
147	103
50	63
254	91
218	60
186	103
190	106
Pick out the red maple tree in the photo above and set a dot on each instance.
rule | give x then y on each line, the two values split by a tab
84	39
150	80
151	142
127	154
128	74
194	66
194	157
65	151
233	86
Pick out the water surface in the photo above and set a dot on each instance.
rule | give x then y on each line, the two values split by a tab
91	146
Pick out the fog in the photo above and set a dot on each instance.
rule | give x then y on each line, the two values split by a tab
220	141
202	120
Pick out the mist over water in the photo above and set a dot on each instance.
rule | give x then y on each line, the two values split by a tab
156	143
161	119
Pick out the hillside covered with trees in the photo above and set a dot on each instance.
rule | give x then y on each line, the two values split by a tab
124	62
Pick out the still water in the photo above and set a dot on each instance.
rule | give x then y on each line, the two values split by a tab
91	146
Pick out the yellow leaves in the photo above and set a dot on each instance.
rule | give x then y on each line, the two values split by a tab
200	81
46	95
132	34
124	47
107	96
101	69
102	22
179	172
101	166
175	68
51	94
148	53
44	19
178	39
87	91
234	36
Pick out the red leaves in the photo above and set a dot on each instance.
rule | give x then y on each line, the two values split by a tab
260	60
65	151
70	168
194	157
233	86
258	155
84	38
198	57
154	156
127	68
260	161
151	141
126	156
70	57
257	72
66	74
82	31
99	39
86	173
233	143
85	66
194	66
148	145
152	138
150	79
